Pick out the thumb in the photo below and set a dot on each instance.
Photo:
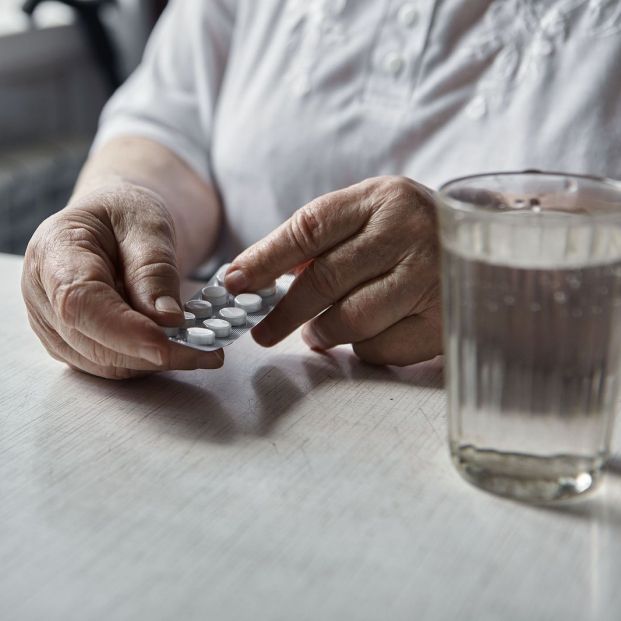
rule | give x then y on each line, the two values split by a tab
149	265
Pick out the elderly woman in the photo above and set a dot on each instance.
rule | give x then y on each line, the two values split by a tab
294	129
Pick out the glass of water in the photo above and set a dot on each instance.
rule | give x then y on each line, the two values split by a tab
531	272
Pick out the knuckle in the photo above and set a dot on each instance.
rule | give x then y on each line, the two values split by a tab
392	186
324	280
33	258
129	204
68	300
159	223
402	193
142	275
305	229
354	317
385	239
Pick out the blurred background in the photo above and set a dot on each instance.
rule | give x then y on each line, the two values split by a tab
59	62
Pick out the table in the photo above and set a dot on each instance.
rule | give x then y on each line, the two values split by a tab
286	486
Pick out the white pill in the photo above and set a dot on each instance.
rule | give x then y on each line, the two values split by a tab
221	273
250	302
235	316
220	327
201	336
170	331
218	296
190	319
201	308
268	291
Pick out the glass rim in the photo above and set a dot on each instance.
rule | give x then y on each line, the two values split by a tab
464	207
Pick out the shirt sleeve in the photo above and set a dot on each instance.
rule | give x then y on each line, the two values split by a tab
171	96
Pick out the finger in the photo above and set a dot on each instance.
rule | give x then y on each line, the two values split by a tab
148	259
327	279
364	313
54	335
80	289
412	340
185	358
177	357
95	309
61	351
174	357
313	229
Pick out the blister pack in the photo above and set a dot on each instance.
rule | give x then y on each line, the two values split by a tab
214	318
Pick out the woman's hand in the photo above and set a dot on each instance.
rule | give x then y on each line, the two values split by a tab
367	258
100	276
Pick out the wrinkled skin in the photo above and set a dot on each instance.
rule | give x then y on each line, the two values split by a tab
368	273
99	277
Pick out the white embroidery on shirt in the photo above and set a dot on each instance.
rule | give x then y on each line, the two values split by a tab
518	37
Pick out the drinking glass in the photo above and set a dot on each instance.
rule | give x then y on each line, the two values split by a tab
531	276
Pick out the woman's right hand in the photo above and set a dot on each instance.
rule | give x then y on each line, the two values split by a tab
100	276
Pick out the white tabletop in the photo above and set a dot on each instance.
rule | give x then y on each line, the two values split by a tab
287	485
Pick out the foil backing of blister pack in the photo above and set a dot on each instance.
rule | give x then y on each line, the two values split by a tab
268	303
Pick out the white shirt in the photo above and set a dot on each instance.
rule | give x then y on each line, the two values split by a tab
278	101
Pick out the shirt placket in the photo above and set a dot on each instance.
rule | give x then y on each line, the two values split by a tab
397	54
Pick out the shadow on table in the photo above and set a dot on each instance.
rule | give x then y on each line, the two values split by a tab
346	365
599	506
290	377
194	409
599	509
177	406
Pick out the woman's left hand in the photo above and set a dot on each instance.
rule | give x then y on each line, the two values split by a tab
368	272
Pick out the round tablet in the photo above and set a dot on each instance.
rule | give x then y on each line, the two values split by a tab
170	331
201	308
235	316
190	319
268	291
220	327
221	273
201	336
215	294
250	302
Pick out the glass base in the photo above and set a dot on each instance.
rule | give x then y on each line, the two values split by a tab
528	477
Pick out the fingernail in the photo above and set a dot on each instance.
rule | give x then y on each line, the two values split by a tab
167	304
312	339
152	355
236	281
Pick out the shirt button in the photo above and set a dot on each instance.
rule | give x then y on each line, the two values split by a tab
393	63
407	15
